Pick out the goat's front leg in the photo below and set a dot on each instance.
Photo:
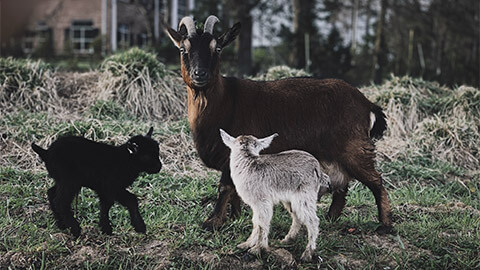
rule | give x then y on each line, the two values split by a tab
105	204
265	213
219	214
130	201
254	236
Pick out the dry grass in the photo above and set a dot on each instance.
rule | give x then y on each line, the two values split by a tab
426	119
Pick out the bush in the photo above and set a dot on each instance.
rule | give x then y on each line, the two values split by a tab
429	120
26	83
137	81
134	63
281	72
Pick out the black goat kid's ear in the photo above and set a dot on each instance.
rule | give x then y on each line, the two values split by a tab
230	35
149	133
175	36
132	148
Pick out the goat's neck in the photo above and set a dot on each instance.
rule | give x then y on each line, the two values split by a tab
211	103
242	157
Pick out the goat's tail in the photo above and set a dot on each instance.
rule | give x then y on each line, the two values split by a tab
40	151
378	124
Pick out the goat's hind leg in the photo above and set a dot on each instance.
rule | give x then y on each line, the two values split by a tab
52	193
130	201
360	161
306	212
294	228
63	203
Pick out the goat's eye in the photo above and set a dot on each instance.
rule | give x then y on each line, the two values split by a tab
218	49
182	50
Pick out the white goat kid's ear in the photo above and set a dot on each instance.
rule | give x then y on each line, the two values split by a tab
265	142
226	138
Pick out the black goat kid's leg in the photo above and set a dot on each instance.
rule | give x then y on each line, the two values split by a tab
219	214
52	192
130	201
63	204
105	205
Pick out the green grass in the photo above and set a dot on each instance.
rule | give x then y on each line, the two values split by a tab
435	197
436	222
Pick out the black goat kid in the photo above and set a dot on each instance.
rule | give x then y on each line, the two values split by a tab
75	162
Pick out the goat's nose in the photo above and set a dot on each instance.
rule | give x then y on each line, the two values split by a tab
200	73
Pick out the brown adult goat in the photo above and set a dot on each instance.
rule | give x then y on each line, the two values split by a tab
328	118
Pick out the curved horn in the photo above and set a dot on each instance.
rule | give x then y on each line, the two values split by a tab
189	24
209	23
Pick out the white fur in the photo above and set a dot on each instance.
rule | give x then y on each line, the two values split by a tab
292	177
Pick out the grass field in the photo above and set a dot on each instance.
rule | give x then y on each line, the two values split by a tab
429	160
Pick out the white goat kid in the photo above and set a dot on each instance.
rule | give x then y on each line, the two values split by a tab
292	177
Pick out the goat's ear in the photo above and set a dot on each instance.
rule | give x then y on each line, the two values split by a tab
226	138
230	35
149	133
175	36
265	142
132	148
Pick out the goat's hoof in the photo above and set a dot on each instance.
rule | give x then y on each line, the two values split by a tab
285	241
107	230
60	225
244	245
306	256
141	228
213	223
75	231
384	229
256	250
332	216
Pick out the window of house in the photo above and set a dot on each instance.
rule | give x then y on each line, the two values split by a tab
142	40
82	34
33	39
28	42
123	36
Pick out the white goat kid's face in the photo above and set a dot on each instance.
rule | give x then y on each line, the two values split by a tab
247	143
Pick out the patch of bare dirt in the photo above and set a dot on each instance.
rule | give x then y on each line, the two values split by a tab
348	262
89	254
158	251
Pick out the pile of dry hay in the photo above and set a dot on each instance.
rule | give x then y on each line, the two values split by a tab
424	118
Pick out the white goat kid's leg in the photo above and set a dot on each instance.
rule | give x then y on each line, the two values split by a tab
306	212
254	236
294	228
252	239
264	218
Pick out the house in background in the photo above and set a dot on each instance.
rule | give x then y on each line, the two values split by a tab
84	27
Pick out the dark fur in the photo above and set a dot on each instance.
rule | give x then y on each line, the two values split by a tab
75	162
328	118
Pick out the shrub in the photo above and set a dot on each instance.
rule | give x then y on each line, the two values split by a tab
281	72
136	80
26	83
134	63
